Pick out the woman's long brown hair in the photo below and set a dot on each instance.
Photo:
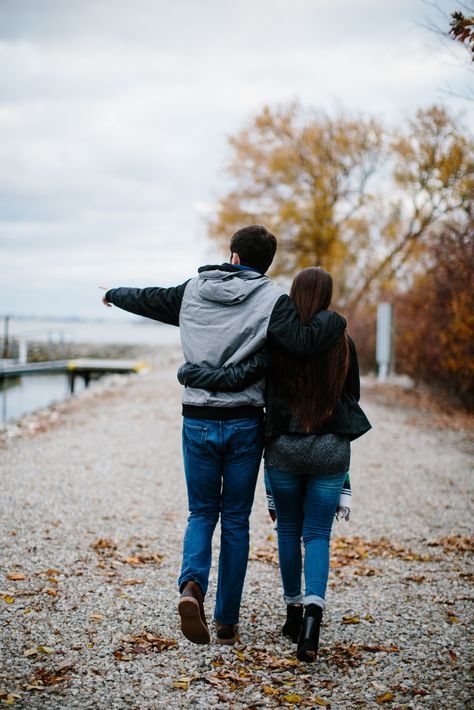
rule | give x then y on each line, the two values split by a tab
311	387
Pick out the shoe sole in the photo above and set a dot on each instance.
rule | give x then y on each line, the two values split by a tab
192	626
307	653
227	642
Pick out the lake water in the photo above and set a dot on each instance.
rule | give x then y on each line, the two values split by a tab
26	394
114	330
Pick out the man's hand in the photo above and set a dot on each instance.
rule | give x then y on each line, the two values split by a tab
104	300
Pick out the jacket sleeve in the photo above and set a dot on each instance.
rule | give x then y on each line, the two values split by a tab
233	378
352	383
286	331
162	304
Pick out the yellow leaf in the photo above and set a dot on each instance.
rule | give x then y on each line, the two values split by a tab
321	701
241	655
350	619
293	698
453	619
269	690
8	599
181	684
46	649
384	698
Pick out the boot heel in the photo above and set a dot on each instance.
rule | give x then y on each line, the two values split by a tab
308	642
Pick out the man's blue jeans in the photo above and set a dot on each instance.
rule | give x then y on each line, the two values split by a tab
305	508
221	462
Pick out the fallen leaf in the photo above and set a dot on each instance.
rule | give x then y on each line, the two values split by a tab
181	684
348	619
453	619
8	599
385	698
53	676
97	617
46	649
322	702
133	581
453	655
30	652
16	577
269	691
103	544
293	698
51	592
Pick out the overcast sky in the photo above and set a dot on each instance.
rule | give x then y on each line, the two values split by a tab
114	119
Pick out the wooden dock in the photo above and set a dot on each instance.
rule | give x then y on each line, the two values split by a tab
87	368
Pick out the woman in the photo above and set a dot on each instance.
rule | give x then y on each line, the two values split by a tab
312	414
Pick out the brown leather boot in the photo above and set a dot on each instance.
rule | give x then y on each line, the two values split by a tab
191	611
227	634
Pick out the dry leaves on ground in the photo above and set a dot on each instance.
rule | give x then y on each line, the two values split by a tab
143	643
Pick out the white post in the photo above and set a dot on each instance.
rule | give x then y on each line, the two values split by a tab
22	351
384	339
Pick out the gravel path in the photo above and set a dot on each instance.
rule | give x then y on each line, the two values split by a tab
92	516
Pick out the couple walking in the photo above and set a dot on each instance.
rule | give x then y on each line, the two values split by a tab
247	346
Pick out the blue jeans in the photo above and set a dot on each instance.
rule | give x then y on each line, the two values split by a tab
221	462
305	507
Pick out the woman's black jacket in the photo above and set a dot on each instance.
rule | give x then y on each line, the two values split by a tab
348	419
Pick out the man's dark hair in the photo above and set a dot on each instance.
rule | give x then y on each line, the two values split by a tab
255	246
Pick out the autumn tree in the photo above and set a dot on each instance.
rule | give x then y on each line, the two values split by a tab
344	193
305	176
435	318
431	183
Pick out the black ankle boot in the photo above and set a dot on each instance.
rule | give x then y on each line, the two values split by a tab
308	641
294	618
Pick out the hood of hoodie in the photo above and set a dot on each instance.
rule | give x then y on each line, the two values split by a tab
228	285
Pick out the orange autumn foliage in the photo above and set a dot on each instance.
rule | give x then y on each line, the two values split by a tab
435	318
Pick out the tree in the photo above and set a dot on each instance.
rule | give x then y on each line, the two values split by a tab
435	319
431	183
344	193
306	177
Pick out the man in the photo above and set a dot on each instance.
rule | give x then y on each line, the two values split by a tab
225	314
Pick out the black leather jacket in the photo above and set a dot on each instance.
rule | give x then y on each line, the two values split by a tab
348	418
